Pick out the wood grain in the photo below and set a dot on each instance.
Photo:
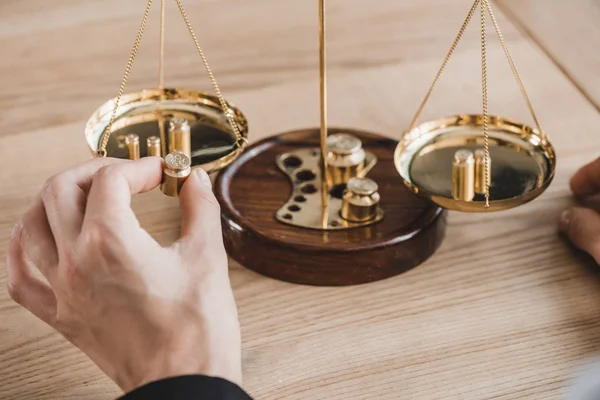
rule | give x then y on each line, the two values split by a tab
503	310
253	189
569	32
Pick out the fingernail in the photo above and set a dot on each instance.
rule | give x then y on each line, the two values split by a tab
204	178
565	219
14	231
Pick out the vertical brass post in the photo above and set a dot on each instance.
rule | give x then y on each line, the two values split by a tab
161	61
162	151
323	113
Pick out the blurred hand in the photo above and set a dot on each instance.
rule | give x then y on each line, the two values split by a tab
581	224
140	311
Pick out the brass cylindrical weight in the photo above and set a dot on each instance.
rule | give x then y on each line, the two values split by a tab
480	176
132	141
176	169
361	200
345	157
463	175
153	144
180	137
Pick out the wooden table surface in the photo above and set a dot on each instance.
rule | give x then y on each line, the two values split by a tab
504	310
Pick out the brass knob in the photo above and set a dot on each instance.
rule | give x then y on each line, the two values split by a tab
153	144
345	157
463	175
176	169
132	141
180	137
361	200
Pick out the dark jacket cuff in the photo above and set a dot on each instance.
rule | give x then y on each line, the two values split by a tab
190	387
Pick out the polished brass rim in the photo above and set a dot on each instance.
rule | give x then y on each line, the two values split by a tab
505	133
98	123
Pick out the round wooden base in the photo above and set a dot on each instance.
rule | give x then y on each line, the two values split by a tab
252	189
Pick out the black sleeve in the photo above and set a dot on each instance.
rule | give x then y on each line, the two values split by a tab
190	387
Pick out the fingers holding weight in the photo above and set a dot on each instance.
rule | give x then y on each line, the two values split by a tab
113	185
199	207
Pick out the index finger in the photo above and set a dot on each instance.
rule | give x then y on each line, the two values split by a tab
586	181
61	206
109	198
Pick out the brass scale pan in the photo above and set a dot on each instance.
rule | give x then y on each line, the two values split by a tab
522	168
516	162
210	131
147	113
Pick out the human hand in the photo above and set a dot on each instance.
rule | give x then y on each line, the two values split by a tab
141	312
580	224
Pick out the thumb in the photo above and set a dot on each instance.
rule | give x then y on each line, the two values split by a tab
200	211
582	226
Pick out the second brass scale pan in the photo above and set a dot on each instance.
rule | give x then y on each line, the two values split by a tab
522	166
476	163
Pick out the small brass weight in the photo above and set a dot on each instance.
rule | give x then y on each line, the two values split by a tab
176	169
173	123
361	200
463	175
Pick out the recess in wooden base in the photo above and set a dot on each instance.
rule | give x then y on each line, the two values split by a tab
253	189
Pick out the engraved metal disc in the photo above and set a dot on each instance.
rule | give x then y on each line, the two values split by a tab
149	112
522	162
342	143
177	161
362	186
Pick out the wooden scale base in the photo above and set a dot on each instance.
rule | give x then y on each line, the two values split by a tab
253	189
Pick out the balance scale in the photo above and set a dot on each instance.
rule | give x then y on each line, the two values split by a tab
330	206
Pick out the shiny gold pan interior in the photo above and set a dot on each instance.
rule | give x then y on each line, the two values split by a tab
147	113
522	161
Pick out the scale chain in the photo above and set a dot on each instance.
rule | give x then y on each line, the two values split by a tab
444	64
484	90
514	69
161	62
240	141
507	53
483	5
136	45
228	112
